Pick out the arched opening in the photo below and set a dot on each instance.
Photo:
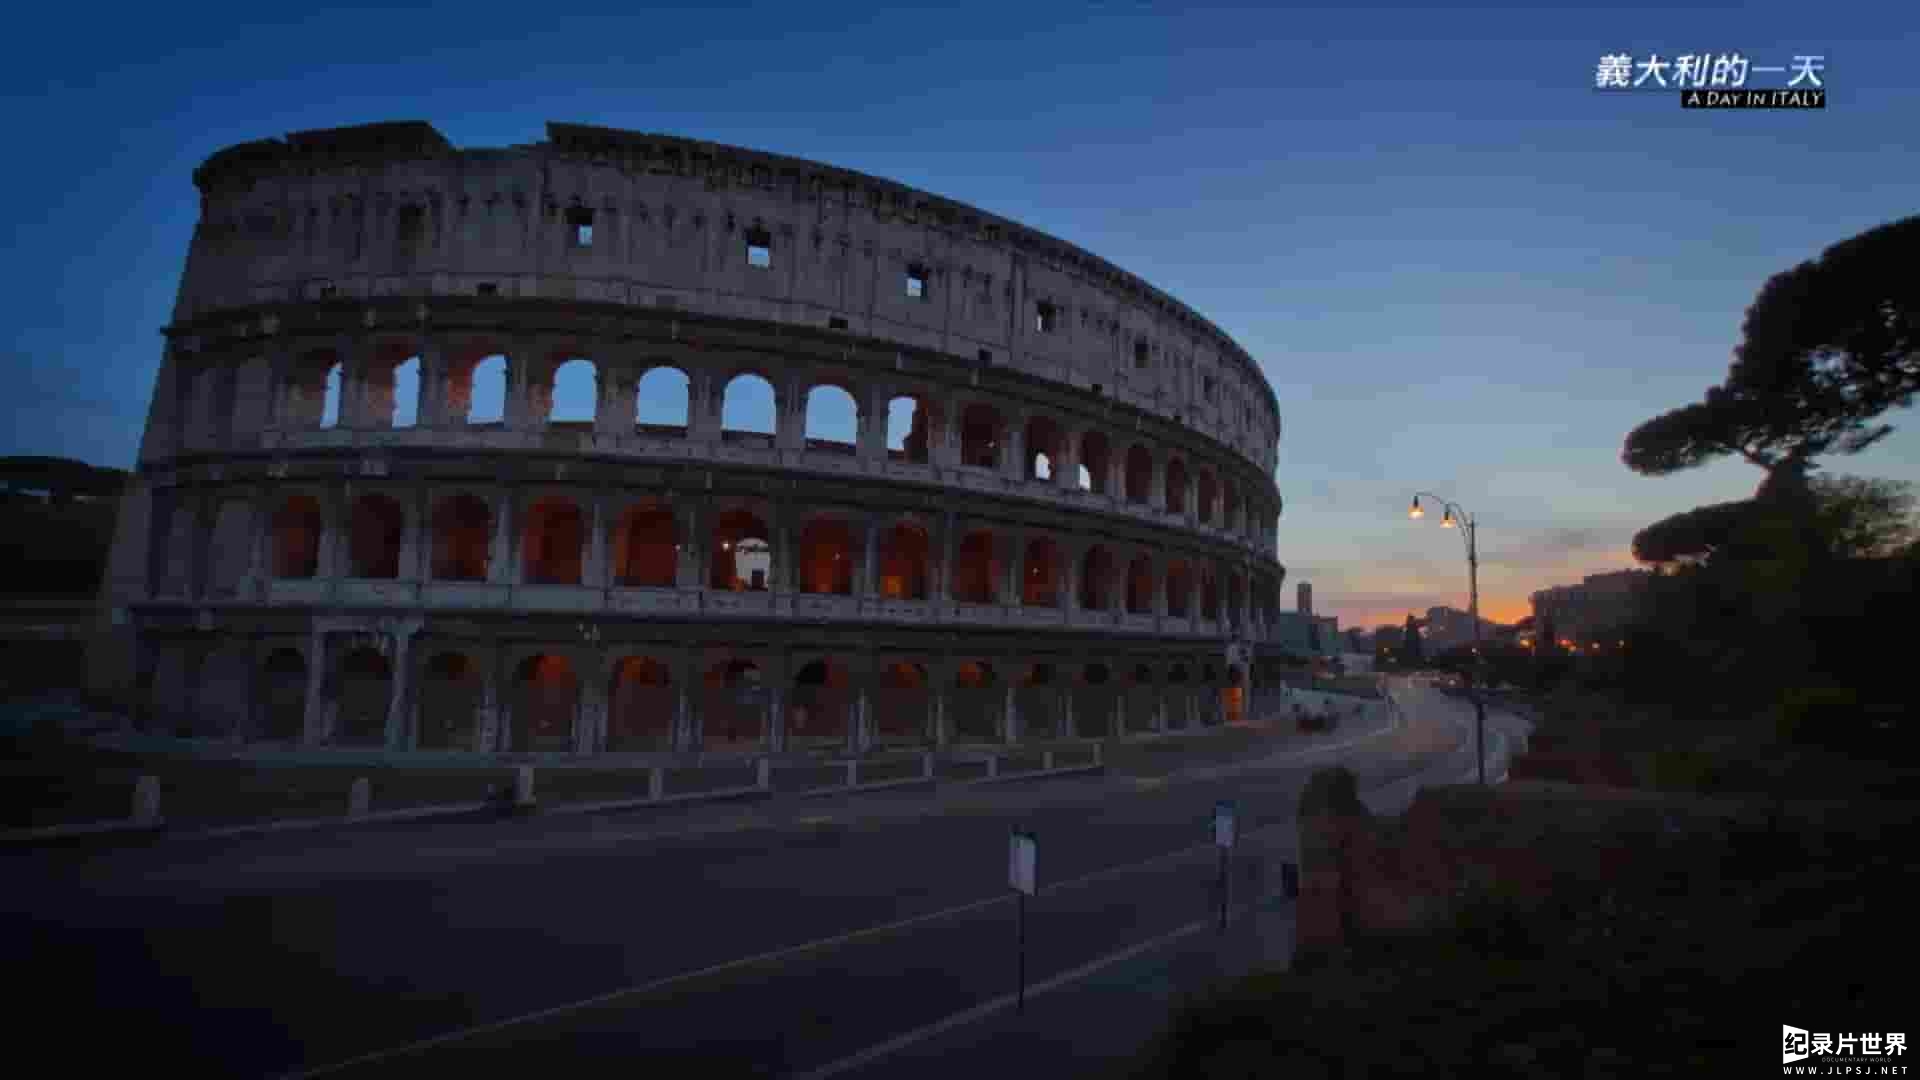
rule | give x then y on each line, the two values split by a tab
556	534
747	405
910	433
451	692
366	683
1094	702
900	703
462	538
826	557
975	569
641	703
904	563
662	402
1139	473
283	696
1096	578
819	711
1038	702
406	393
1143	699
1043	448
741	555
1040	577
645	547
573	396
1206	494
477	390
976	703
547	700
1177	486
733	706
980	427
1140	586
374	536
1179	588
296	537
332	391
833	420
1096	462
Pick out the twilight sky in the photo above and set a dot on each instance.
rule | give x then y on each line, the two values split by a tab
1462	268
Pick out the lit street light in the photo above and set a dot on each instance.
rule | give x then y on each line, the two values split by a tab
1453	515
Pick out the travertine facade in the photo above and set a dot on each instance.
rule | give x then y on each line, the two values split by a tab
1072	533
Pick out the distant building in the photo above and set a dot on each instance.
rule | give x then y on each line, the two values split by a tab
1450	628
1597	607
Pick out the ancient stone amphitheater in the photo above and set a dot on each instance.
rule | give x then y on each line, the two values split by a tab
1050	512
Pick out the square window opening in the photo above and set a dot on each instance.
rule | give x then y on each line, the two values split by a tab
1046	317
836	323
916	283
759	248
1140	356
580	226
487	288
986	356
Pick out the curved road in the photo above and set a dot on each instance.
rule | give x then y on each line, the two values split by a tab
722	941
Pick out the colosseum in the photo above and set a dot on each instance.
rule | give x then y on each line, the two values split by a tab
368	514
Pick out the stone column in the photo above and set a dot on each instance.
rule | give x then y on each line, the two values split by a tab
595	574
1013	455
1011	727
690	522
870	427
869	584
1015	577
431	411
517	409
686	677
1157	483
399	690
414	536
1066	467
313	719
789	412
943	573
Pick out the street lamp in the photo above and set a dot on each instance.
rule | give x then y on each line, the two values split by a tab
1452	515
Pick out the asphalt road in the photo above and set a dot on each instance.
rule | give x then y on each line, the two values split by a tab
264	958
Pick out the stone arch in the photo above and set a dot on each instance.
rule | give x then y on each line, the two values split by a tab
452	691
283	696
733	710
376	526
912	429
982	433
1176	487
476	388
1096	462
1044	443
297	528
748	405
387	399
642	703
905	562
554	542
309	393
462	538
976	703
663	401
646	551
1140	585
819	711
741	553
1139	468
363	693
832	418
1179	588
826	556
976	568
570	395
1040	573
546	704
1097	573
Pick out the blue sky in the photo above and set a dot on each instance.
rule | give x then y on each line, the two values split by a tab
1462	268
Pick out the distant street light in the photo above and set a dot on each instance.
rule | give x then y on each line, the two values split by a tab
1452	515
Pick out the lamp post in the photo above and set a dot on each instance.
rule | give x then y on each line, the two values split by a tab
1453	514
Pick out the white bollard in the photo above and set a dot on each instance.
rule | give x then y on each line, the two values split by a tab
926	765
359	797
523	786
764	777
146	801
993	765
1096	752
853	771
1046	761
656	782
